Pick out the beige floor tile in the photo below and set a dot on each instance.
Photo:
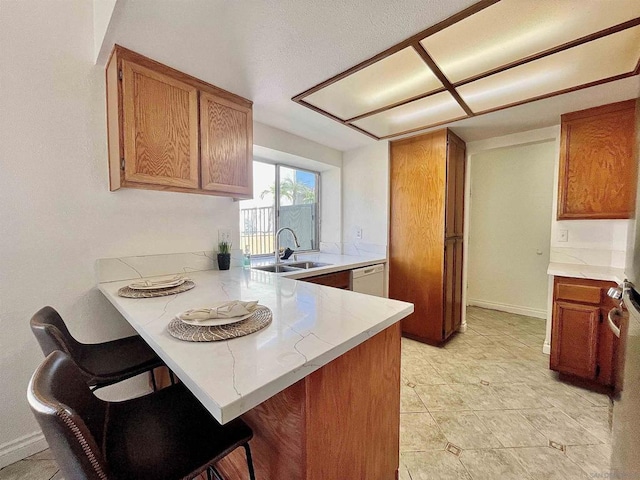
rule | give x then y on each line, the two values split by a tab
559	427
595	420
512	429
465	430
562	396
421	372
419	432
597	399
29	470
531	340
496	464
593	459
403	471
439	465
477	397
546	463
43	455
410	401
441	398
518	396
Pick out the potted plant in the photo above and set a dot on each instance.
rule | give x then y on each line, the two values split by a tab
224	255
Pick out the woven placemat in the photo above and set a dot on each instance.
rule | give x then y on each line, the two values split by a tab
261	318
160	292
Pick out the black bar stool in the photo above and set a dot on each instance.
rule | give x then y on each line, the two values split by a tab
101	364
166	435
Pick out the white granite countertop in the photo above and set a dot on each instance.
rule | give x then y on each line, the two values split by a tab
586	271
312	325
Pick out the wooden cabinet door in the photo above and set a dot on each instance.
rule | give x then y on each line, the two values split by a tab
574	339
456	163
160	128
226	145
458	285
449	287
597	165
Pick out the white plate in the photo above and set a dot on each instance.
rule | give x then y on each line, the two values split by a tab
158	284
216	322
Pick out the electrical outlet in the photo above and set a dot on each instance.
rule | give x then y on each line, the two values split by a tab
563	235
359	233
224	235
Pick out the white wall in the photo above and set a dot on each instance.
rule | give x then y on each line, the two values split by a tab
56	211
365	195
510	227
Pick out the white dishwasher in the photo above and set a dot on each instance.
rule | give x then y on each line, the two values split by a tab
369	280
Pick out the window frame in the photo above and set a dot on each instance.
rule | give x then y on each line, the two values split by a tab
276	206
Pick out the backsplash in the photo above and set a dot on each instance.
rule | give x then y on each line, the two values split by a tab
128	268
588	256
338	248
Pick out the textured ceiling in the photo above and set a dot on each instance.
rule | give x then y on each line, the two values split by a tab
269	51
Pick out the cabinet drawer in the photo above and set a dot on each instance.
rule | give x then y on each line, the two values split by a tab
337	280
578	293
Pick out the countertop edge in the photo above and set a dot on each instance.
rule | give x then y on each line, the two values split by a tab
591	272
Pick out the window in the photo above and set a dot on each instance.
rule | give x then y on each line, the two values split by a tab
283	196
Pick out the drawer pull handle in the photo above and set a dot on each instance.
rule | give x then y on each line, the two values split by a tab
614	312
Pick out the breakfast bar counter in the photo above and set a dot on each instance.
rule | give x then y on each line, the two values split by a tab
319	385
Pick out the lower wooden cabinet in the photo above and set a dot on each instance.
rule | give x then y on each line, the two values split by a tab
337	280
581	343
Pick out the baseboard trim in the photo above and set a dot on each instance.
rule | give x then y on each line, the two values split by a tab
546	348
21	448
503	307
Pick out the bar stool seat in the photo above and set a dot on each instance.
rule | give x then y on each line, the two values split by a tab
166	435
101	364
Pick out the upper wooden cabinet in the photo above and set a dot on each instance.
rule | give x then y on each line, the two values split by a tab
225	130
597	166
170	131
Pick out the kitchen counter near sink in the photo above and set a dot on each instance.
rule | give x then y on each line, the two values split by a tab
334	263
326	366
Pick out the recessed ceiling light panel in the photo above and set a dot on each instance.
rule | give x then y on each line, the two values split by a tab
511	30
396	78
600	59
432	110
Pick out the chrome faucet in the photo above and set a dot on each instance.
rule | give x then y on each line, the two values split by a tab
277	242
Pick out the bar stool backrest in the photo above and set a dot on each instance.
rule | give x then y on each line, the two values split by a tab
52	333
71	417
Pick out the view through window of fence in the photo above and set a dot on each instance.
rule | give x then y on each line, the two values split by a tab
292	202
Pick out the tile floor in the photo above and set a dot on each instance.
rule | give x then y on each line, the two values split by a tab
486	406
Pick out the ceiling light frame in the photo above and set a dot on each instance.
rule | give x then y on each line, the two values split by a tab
451	87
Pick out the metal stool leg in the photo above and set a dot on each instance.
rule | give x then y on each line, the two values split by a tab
213	473
153	381
252	474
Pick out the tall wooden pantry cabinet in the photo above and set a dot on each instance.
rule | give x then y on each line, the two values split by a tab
427	175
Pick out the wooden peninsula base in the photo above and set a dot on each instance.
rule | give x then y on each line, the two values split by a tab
340	422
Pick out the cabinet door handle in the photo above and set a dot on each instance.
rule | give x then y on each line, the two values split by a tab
614	312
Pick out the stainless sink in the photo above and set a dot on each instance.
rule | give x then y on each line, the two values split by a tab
290	267
277	268
306	265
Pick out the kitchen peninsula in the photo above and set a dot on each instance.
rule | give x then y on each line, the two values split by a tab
320	386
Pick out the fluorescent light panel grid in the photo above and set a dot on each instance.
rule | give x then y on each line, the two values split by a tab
511	30
590	62
396	78
431	110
